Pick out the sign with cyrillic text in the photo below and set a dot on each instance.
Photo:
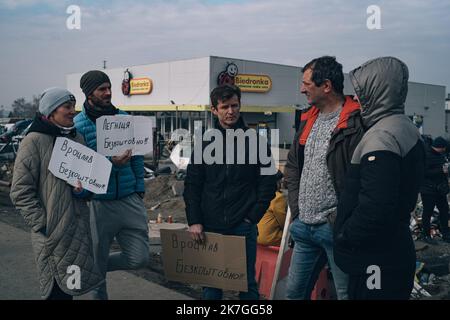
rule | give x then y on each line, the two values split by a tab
116	134
219	262
72	161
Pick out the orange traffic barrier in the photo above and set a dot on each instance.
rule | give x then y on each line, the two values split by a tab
266	259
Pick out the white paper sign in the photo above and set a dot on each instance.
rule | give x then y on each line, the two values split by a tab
116	134
72	161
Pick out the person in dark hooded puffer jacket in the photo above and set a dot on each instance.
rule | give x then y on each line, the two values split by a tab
373	243
55	211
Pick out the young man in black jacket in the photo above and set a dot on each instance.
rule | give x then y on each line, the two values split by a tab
228	197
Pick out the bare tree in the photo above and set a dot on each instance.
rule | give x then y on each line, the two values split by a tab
24	109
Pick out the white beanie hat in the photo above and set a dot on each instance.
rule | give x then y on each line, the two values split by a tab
52	98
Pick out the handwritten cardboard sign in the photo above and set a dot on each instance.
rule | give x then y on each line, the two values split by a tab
116	134
72	161
220	262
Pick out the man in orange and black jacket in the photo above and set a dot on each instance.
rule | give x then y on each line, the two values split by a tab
317	162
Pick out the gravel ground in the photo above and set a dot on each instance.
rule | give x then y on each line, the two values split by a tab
435	257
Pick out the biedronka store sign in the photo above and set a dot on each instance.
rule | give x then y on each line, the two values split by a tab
246	82
253	82
141	86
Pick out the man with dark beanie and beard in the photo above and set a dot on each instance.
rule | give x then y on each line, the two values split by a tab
119	213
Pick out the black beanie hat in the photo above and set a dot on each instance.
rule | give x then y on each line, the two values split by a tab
439	142
91	80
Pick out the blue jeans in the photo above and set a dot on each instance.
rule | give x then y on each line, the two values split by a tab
250	232
313	247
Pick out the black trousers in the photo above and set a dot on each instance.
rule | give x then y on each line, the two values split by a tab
430	201
395	285
58	294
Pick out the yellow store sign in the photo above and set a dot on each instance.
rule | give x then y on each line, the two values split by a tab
141	86
253	82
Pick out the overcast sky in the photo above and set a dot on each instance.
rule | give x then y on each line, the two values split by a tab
37	49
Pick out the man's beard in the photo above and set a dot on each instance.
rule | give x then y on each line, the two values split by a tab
94	110
100	103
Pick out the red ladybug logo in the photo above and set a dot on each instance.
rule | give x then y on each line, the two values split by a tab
227	76
126	82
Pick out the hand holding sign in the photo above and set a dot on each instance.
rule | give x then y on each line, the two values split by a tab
218	262
196	231
78	188
122	159
75	163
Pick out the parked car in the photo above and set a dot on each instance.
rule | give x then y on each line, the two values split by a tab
15	130
10	140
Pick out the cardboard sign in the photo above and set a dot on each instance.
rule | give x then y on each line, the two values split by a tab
72	161
116	134
220	262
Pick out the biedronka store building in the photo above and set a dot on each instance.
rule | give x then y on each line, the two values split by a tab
177	92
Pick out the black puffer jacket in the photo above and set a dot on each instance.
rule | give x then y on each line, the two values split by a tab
385	175
434	174
220	196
